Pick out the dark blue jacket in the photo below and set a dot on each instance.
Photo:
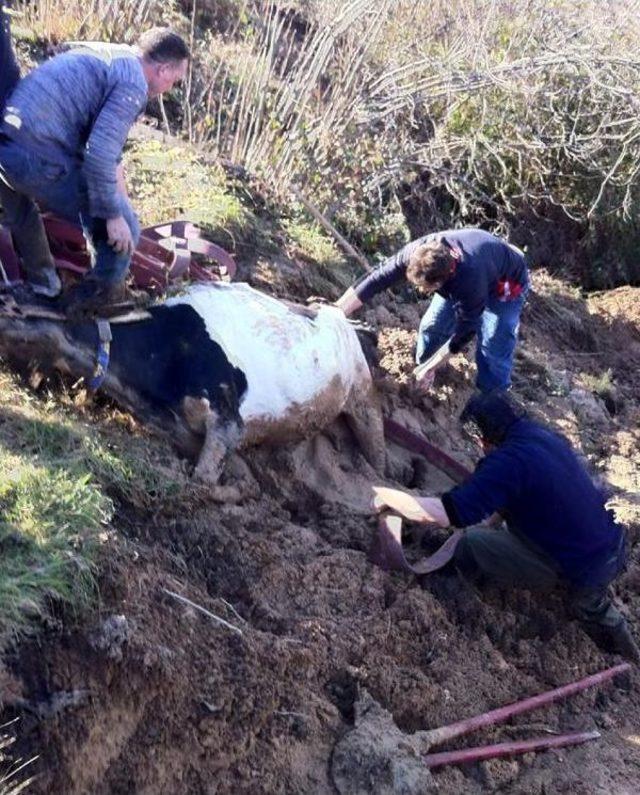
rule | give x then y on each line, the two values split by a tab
536	481
489	268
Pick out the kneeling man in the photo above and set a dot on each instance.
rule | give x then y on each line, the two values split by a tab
558	530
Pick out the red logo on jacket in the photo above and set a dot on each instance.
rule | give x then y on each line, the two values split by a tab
508	290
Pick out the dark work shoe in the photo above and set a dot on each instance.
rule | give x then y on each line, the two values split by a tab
90	296
623	643
614	640
45	282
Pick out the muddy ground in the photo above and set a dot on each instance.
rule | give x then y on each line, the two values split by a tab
153	696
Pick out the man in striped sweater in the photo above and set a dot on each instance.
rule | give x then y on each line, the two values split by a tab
61	139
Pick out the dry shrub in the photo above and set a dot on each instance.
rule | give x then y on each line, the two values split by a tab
486	110
496	106
100	20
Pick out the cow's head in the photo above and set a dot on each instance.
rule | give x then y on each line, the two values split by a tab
163	367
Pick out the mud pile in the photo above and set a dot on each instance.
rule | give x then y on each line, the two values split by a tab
155	696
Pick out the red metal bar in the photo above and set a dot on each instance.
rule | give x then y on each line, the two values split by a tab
507	749
417	444
444	733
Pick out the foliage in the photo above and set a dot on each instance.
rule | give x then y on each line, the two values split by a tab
95	20
311	242
176	182
501	113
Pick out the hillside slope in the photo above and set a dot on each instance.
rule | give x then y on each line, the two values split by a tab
138	692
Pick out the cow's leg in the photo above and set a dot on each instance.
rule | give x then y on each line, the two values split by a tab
219	438
364	418
213	452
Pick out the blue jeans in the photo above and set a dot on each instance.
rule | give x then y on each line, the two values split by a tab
26	178
497	337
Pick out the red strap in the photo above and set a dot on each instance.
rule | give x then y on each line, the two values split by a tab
162	255
417	444
387	552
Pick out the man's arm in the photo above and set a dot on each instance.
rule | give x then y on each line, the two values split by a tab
392	271
496	481
426	510
104	147
9	71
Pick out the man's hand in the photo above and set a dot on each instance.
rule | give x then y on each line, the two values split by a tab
348	302
495	520
425	373
317	301
119	235
426	510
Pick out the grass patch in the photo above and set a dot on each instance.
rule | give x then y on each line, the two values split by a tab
60	485
169	183
50	521
130	478
326	271
312	243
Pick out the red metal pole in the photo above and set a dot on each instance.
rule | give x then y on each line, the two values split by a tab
507	749
438	736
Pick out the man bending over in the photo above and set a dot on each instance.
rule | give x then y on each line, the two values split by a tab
479	284
61	139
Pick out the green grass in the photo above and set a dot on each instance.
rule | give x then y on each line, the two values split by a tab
51	514
312	241
132	478
61	482
173	182
169	183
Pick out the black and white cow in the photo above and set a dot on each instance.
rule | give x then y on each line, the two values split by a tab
220	366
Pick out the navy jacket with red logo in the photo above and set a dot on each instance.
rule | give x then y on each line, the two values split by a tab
489	268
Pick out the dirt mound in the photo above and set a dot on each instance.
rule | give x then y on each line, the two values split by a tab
152	695
622	305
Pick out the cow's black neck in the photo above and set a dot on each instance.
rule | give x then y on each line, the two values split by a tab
168	357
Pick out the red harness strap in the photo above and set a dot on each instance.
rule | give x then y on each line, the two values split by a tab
164	254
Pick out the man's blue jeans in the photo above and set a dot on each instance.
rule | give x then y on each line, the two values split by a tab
497	337
26	178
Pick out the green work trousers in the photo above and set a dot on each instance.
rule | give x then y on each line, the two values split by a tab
506	557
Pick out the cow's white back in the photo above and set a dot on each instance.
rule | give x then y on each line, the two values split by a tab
288	359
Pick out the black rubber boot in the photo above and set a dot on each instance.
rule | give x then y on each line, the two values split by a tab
614	640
